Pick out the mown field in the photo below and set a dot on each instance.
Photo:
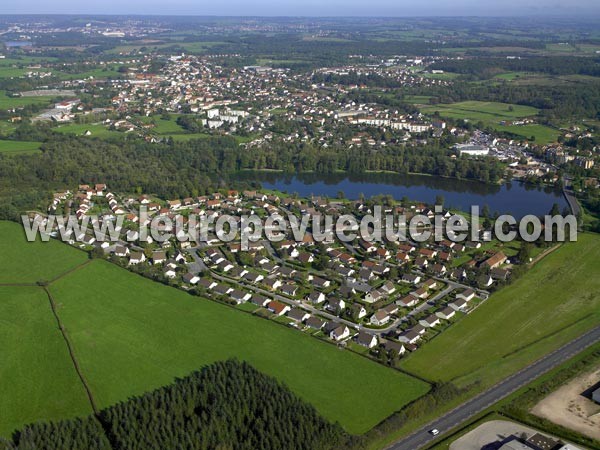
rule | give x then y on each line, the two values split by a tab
492	113
97	130
557	300
18	147
132	335
7	102
29	262
37	377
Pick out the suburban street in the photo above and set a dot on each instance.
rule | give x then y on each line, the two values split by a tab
200	266
467	410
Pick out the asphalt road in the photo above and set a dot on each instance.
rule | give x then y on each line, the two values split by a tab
467	410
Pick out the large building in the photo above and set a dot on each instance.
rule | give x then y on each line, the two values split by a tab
472	149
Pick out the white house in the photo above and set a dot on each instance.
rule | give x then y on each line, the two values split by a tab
467	295
380	318
339	333
137	257
430	321
366	340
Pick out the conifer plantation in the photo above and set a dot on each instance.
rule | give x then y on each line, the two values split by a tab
227	405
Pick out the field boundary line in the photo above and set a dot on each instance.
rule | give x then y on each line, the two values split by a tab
543	338
70	271
76	365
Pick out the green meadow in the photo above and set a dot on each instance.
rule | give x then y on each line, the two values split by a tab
18	147
29	262
492	113
39	381
132	335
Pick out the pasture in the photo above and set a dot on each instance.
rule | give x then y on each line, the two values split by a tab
492	114
132	335
29	262
38	377
18	147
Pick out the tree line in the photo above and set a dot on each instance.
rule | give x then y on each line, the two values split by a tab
181	169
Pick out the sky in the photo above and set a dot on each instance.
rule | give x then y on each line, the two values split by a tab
395	8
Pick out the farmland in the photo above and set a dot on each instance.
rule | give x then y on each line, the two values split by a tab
131	335
557	300
38	378
96	130
7	102
24	262
492	113
18	147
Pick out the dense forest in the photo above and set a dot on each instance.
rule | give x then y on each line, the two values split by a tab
552	65
180	169
227	405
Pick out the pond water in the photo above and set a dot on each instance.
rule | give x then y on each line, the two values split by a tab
516	198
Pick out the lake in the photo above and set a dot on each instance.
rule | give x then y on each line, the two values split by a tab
10	44
516	198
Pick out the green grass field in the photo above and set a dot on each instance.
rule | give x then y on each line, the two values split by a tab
557	300
483	110
18	147
131	335
97	130
28	262
492	113
163	126
16	102
37	374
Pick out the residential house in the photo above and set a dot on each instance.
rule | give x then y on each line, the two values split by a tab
260	300
446	313
315	323
391	309
137	257
335	305
458	305
289	289
339	333
495	260
240	296
408	301
373	296
366	340
420	293
396	348
297	314
388	287
430	284
411	278
159	257
409	336
316	297
278	308
430	321
190	278
358	310
467	295
380	318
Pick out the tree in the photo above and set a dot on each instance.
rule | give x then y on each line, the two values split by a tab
524	252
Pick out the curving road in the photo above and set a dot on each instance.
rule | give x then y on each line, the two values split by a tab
477	404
